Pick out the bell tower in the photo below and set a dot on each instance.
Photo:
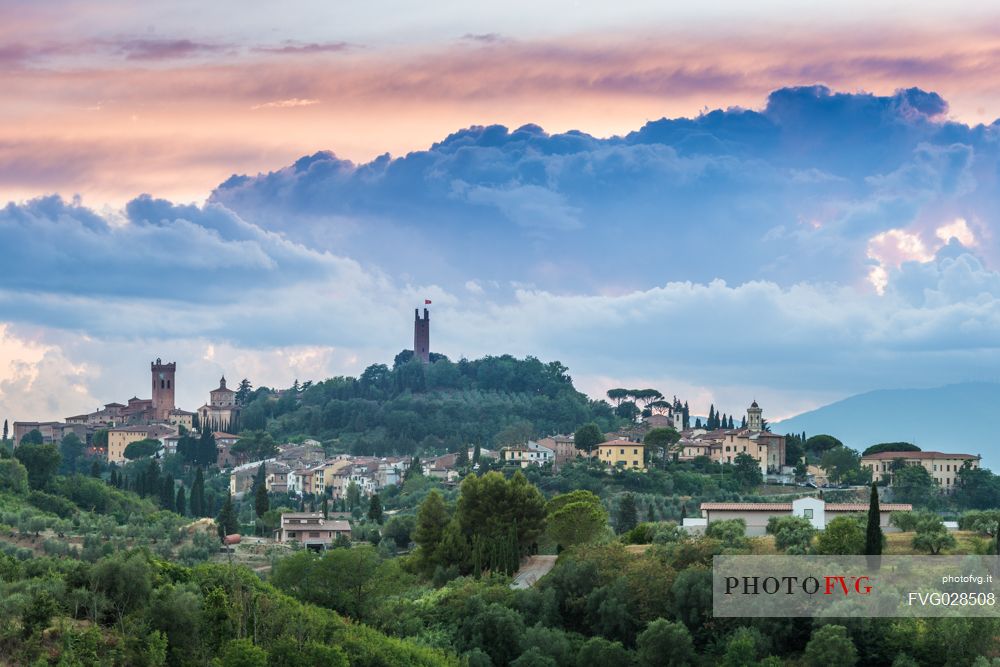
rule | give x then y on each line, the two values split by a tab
422	336
754	420
163	388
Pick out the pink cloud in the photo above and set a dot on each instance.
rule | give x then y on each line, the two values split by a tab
404	99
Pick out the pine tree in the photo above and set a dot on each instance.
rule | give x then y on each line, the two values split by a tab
873	536
375	509
226	520
243	393
180	504
198	495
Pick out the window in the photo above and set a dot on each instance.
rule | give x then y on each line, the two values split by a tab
807	513
291	533
635	463
622	451
635	451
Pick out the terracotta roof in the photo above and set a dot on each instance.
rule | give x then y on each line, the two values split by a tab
918	455
621	443
787	507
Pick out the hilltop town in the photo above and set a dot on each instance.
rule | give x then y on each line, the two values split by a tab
492	476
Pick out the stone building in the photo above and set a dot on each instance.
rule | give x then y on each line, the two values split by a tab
941	466
221	411
162	402
422	336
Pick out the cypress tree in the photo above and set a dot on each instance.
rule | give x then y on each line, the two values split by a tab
326	507
711	417
627	515
375	509
198	495
260	479
650	514
476	453
226	520
167	493
261	504
6	430
873	537
180	504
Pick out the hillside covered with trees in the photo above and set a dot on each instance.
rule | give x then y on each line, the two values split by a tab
412	406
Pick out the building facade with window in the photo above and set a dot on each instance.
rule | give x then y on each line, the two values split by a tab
941	466
311	530
528	454
622	454
819	513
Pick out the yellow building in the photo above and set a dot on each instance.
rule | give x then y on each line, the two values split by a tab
943	467
120	438
622	454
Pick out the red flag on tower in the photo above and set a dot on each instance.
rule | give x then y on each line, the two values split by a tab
427	302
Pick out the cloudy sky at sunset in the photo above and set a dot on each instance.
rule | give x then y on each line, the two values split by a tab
722	200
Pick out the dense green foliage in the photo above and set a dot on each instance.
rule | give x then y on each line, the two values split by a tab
135	609
890	447
442	405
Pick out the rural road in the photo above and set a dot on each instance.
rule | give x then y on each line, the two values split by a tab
533	569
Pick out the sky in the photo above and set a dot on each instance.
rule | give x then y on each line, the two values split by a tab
721	200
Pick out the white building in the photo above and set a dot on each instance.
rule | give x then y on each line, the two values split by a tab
529	454
819	513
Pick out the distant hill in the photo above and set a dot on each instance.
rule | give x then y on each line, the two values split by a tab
415	407
952	418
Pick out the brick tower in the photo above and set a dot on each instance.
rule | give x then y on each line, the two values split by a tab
163	389
422	336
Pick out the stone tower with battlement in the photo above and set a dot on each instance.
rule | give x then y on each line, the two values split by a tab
422	336
163	389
